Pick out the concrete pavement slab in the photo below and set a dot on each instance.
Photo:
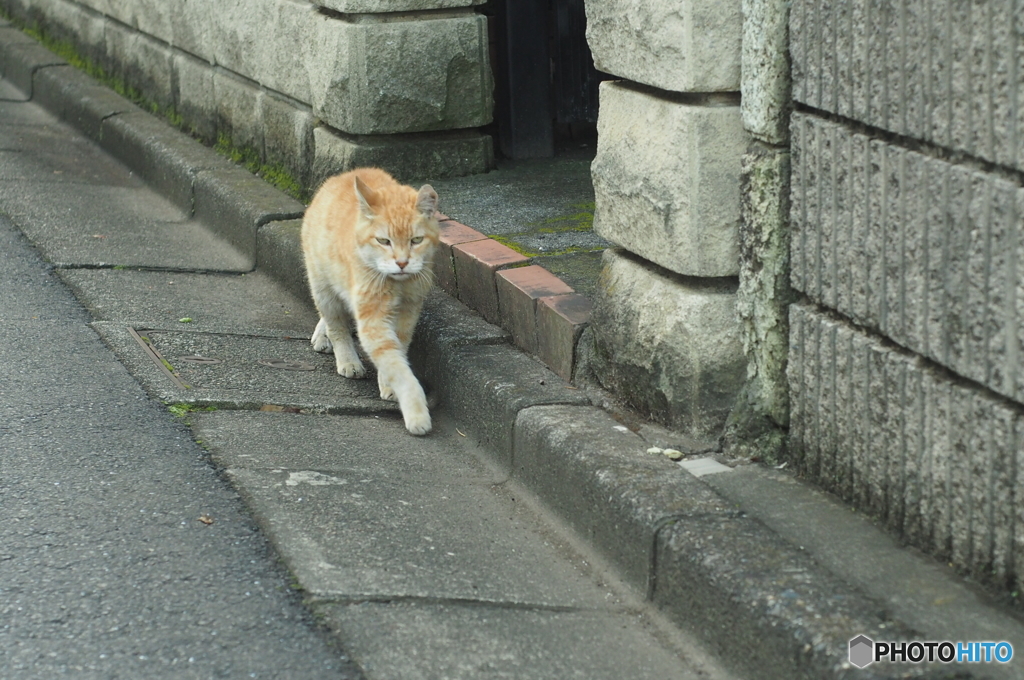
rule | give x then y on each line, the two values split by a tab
359	510
251	370
419	641
212	302
48	151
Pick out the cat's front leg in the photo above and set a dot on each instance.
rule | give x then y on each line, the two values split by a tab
346	357
334	330
321	343
394	374
405	323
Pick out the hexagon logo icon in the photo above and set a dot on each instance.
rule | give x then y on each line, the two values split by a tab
862	651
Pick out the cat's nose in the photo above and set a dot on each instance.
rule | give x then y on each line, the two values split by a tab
401	264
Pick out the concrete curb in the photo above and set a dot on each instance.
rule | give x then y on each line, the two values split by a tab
758	600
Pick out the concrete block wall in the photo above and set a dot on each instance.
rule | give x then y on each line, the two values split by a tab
907	242
316	86
667	192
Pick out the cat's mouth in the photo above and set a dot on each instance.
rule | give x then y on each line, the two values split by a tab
400	276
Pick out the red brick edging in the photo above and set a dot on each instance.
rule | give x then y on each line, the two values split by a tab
544	315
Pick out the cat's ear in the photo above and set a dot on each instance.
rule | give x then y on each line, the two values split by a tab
367	198
426	200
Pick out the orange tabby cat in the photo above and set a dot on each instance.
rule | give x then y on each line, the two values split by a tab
369	245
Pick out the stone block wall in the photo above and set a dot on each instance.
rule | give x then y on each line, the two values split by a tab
908	251
667	192
316	86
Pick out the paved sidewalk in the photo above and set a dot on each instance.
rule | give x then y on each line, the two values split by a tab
763	575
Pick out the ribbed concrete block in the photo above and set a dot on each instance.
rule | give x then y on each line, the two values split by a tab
1017	455
878	446
961	425
860	430
683	47
915	468
1002	350
797	359
811	453
926	251
943	71
666	180
845	426
1016	309
875	240
800	156
929	456
1000	501
939	409
669	347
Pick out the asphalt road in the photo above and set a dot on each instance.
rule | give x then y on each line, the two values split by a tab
106	570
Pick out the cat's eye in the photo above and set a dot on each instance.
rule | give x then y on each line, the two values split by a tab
383	241
416	240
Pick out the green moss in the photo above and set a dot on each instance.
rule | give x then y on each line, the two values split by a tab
181	410
508	242
274	173
582	220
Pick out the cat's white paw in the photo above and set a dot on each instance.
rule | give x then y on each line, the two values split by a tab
419	423
386	392
351	369
320	341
